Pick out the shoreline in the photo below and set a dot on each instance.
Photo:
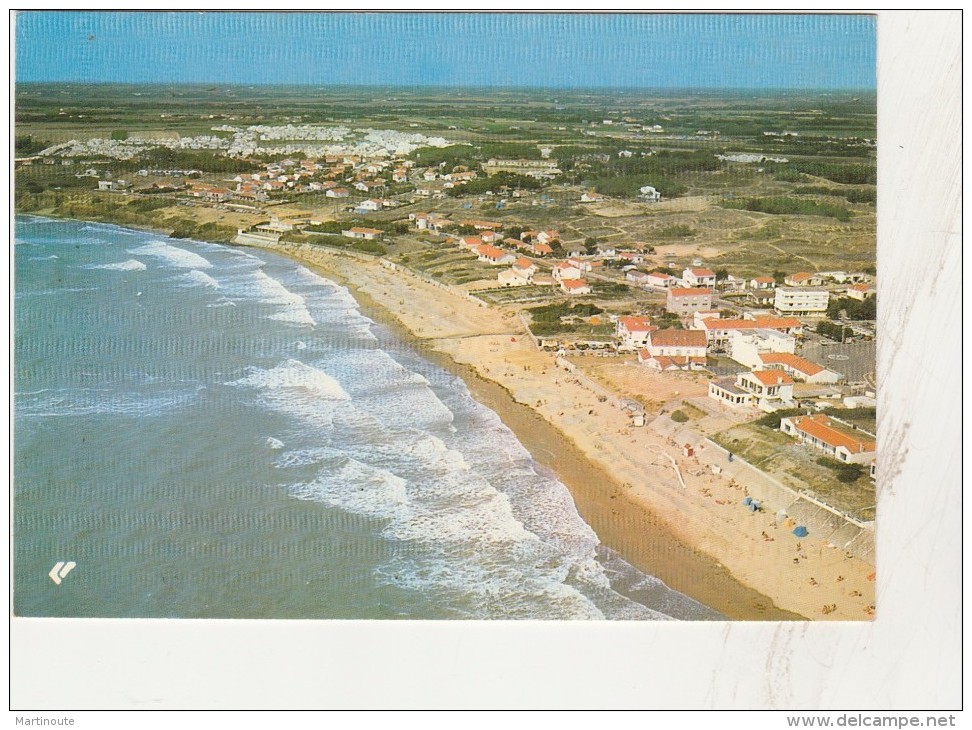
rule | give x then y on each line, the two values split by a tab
645	540
641	536
690	533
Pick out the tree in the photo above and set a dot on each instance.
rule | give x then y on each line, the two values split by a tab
779	277
721	274
833	330
590	244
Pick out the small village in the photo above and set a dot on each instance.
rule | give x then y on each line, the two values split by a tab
732	343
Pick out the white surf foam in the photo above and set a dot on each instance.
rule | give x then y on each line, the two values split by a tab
295	375
130	265
172	255
358	488
267	290
195	277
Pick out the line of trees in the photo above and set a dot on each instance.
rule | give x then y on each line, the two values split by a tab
784	205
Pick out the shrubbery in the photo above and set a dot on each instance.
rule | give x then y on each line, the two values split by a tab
783	205
845	472
679	230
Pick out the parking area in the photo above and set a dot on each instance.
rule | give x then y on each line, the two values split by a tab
856	361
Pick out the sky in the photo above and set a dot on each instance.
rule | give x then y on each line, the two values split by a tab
551	50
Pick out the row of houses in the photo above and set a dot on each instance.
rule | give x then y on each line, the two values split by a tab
758	343
687	301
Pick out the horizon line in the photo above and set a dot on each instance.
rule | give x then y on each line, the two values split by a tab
254	85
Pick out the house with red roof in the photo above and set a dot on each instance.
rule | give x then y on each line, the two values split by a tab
768	386
803	278
799	368
575	286
768	390
699	277
494	256
762	282
673	349
471	243
837	440
630	257
566	270
582	264
860	292
633	332
525	265
368	234
718	330
660	281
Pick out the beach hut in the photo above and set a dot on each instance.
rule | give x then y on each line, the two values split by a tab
687	450
800	531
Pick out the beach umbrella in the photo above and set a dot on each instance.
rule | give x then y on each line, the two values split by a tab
800	531
747	501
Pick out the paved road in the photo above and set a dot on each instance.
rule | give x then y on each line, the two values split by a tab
856	361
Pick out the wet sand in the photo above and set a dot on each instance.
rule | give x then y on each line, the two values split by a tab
688	531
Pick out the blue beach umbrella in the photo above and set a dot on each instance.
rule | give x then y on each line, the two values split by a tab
800	531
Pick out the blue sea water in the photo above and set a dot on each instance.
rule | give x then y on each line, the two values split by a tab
211	431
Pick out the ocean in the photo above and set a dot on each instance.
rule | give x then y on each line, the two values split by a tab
210	431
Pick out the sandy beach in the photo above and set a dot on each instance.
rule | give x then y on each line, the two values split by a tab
665	513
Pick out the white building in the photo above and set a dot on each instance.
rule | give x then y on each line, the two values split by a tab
747	346
799	368
660	281
768	390
368	234
836	440
860	292
565	270
673	349
693	276
800	301
512	277
575	286
633	332
649	193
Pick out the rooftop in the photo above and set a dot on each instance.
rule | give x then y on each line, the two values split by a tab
822	428
800	364
772	377
678	338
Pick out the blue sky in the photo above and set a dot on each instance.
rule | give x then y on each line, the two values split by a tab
452	49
